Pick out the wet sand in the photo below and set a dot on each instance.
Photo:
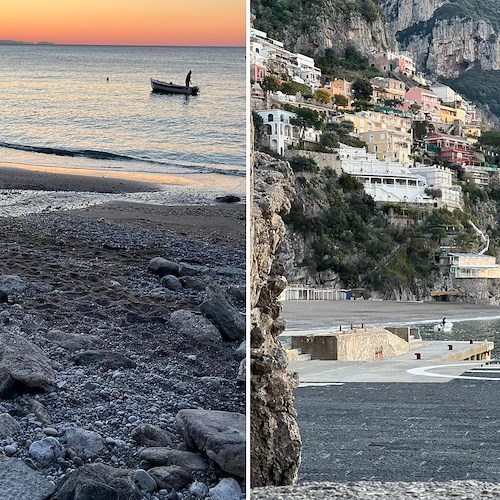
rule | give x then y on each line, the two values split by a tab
303	315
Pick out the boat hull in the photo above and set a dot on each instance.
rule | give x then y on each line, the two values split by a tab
170	88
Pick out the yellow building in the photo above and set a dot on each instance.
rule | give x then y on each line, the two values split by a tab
448	114
468	265
386	89
472	131
389	136
389	145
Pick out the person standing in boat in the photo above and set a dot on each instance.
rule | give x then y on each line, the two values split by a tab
188	79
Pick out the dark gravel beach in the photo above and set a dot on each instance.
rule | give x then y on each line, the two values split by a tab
21	178
125	347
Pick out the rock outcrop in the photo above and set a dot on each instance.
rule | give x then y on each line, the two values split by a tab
328	24
444	37
275	439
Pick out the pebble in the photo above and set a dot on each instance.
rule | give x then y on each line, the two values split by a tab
50	431
10	450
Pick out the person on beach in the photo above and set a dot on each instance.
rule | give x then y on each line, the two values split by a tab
188	79
444	321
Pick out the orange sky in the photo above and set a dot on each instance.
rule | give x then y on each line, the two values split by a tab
125	22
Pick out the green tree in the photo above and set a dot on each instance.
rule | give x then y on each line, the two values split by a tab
322	95
362	89
329	140
340	100
270	84
293	88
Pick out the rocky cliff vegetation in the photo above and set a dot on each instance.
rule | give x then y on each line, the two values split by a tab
275	439
337	236
311	27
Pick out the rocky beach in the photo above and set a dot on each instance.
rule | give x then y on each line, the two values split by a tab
122	347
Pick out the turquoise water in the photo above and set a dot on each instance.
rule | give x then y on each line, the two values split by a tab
57	100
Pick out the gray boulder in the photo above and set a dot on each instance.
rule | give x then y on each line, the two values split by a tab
144	481
193	326
23	367
152	435
168	456
11	284
20	482
171	282
107	359
46	451
218	434
224	315
87	444
171	476
8	426
99	481
161	267
40	411
227	489
71	341
194	282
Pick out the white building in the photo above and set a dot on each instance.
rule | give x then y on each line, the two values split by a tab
308	71
278	129
384	180
441	178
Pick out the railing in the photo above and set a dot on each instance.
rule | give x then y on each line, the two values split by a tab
309	293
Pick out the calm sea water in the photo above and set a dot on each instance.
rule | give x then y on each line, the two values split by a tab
478	329
57	97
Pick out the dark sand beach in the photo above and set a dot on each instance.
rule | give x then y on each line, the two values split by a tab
78	281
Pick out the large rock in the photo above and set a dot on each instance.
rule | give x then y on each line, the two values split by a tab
8	426
168	456
161	267
152	435
224	315
99	481
46	451
71	341
274	434
171	476
87	444
40	411
107	359
20	482
23	367
219	434
11	284
193	326
227	489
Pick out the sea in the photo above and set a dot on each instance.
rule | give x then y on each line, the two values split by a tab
476	329
91	107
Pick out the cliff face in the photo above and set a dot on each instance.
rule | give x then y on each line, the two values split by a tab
405	13
275	438
446	38
318	25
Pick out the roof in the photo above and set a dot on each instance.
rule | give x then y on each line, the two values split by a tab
476	255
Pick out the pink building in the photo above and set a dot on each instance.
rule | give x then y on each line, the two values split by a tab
426	99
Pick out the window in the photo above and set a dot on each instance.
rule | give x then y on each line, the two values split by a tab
270	117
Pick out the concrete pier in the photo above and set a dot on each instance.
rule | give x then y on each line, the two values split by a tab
450	364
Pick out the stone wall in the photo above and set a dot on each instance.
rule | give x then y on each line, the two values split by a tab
323	160
275	438
477	290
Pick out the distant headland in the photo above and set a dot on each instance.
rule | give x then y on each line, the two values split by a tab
16	42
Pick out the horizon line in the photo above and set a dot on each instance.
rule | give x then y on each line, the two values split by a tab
14	42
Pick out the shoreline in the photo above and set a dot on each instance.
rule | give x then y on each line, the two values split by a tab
317	315
29	190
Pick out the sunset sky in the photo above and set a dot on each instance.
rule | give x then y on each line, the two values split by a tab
125	22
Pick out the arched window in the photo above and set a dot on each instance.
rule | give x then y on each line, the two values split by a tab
269	130
270	117
282	118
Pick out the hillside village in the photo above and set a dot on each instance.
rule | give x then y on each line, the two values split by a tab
409	141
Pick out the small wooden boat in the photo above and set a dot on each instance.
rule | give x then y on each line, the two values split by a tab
170	88
447	327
